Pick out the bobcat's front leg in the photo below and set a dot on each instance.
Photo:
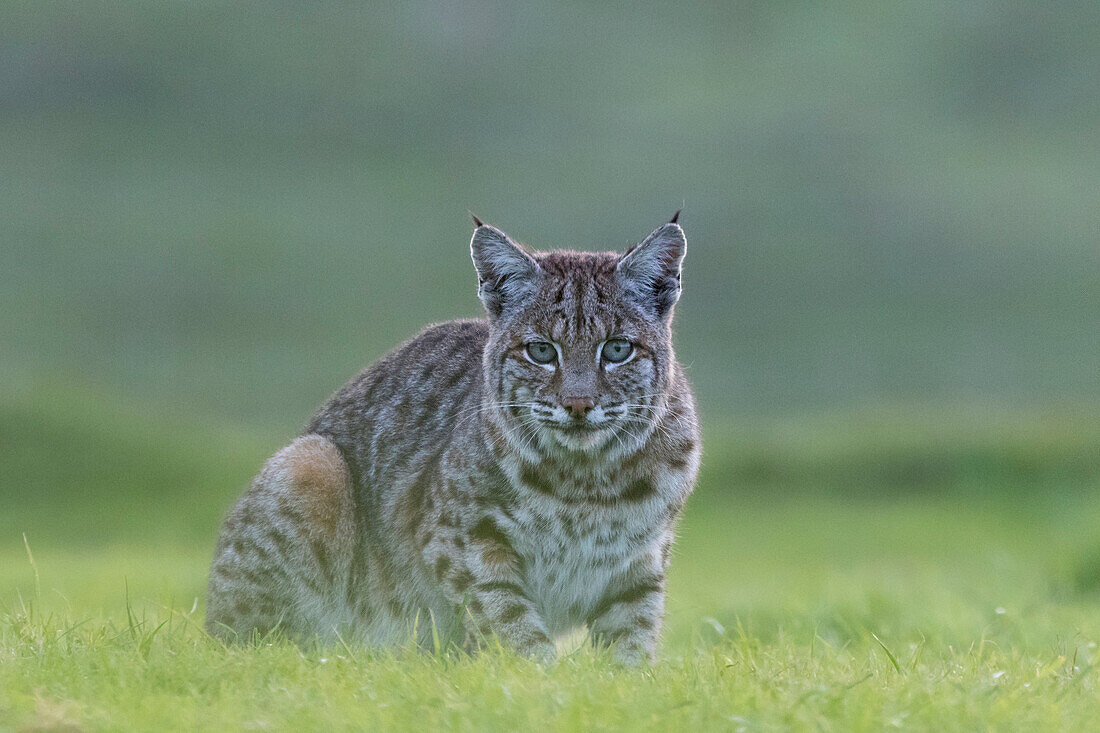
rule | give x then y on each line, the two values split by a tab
486	580
629	615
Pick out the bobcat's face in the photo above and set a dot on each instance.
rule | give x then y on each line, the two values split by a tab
580	347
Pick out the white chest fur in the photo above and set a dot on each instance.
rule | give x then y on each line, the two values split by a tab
573	552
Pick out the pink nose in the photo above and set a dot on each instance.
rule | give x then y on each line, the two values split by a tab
578	406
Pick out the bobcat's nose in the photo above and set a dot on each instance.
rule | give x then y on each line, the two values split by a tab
578	407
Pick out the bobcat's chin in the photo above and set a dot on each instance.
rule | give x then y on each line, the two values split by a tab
588	439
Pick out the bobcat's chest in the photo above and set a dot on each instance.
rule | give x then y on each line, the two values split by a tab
572	552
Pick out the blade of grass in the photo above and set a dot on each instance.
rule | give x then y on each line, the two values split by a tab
889	654
34	567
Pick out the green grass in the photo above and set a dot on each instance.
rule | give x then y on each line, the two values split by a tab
223	210
814	603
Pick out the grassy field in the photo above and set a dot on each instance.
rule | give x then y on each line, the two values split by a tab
841	573
222	210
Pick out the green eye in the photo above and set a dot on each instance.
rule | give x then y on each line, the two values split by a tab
542	352
617	350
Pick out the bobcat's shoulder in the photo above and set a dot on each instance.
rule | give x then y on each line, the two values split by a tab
406	388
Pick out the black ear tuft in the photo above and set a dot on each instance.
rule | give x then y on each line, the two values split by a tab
651	270
674	219
477	222
506	274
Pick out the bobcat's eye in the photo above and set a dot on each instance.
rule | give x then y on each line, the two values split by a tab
616	351
542	352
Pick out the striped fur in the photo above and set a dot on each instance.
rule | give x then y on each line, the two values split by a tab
450	482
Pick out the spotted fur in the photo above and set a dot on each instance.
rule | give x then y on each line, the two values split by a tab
454	483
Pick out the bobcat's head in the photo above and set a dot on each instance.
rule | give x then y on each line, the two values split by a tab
580	354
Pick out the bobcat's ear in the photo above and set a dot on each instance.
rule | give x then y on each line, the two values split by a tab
651	270
506	274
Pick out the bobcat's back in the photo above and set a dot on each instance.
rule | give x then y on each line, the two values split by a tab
403	410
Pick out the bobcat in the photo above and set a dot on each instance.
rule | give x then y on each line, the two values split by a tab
516	476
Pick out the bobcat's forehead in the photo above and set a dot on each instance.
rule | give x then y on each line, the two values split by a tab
570	265
579	299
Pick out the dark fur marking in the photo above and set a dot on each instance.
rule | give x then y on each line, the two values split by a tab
639	490
487	530
630	595
380	563
453	379
512	613
410	506
313	581
461	580
497	442
441	566
495	490
530	477
611	636
499	585
497	549
266	606
290	512
357	570
281	542
251	576
320	552
567	524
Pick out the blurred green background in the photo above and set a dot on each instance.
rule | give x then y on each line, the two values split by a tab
213	214
227	209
